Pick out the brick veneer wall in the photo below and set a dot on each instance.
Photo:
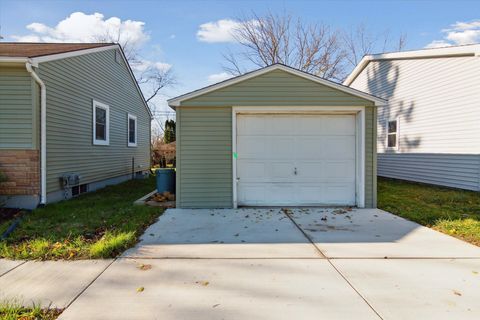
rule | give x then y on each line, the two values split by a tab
22	168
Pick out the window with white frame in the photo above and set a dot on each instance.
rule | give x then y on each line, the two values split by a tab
101	123
132	130
392	133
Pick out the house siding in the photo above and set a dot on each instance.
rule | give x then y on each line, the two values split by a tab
204	133
436	100
17	109
72	84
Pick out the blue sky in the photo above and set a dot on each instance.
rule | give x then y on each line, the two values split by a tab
172	26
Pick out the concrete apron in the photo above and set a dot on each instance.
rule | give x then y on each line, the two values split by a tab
374	233
223	233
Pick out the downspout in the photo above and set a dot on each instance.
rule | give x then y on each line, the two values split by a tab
43	134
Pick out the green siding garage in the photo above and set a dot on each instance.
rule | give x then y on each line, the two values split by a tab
276	137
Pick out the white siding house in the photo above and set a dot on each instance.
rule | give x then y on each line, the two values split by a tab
430	129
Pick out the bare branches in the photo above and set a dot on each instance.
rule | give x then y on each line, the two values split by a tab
360	42
314	48
277	38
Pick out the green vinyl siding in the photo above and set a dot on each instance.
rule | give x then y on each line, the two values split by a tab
370	158
276	88
17	109
72	85
204	133
204	157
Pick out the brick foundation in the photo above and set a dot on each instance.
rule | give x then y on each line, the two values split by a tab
22	169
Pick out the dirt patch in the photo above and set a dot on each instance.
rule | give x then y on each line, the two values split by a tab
9	214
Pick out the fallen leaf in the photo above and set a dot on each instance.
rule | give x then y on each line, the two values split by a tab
203	283
457	293
144	267
140	289
215	305
475	272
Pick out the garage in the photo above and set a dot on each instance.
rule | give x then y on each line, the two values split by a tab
295	159
276	136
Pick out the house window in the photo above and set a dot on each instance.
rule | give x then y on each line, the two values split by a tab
392	133
101	127
132	130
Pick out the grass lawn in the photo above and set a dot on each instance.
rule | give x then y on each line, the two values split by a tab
100	224
14	311
451	211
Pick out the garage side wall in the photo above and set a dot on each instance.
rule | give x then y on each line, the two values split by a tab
204	157
370	158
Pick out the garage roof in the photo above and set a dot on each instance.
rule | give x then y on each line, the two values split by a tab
175	102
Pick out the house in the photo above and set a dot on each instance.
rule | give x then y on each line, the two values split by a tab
430	129
72	119
276	136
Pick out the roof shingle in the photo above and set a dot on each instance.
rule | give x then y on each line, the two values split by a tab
32	49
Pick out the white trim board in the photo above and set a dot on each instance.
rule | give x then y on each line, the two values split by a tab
359	146
454	51
176	102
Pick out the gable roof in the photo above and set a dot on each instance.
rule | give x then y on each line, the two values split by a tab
452	51
31	49
35	53
175	102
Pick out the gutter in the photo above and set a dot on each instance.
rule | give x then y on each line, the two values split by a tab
43	133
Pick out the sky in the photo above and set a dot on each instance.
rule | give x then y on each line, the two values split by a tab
190	37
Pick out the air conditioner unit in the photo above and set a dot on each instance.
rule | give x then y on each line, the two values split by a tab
70	180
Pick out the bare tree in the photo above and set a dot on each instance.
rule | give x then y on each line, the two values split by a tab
269	39
359	42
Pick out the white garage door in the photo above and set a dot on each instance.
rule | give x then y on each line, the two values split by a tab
295	159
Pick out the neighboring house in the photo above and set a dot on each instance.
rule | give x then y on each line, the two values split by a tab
276	136
430	129
68	110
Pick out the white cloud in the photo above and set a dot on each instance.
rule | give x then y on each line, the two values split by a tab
173	36
459	33
218	31
438	44
142	65
218	77
81	27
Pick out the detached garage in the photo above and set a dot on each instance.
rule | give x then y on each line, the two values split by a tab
276	137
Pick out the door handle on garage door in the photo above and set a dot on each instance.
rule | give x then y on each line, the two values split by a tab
295	171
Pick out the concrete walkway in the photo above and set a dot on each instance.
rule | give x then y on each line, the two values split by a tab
265	264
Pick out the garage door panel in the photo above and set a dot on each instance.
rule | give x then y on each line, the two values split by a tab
296	160
339	147
339	193
252	193
280	171
252	170
340	170
309	147
312	170
338	125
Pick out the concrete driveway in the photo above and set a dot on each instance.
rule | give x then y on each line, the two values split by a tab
283	264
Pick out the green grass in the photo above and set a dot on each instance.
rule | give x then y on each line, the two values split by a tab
14	311
100	224
451	211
